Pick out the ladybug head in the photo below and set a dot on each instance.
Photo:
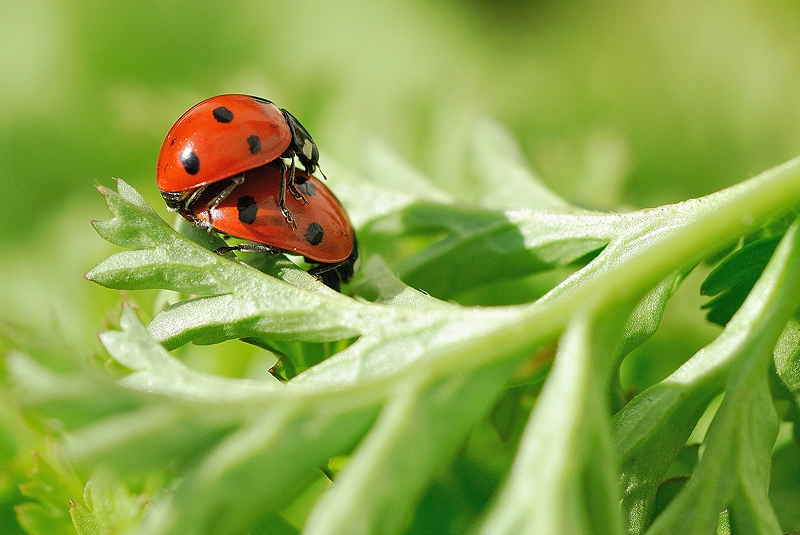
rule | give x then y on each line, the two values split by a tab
302	145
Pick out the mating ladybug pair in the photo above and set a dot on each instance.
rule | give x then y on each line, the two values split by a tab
226	165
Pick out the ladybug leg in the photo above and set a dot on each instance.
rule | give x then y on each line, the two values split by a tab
329	278
292	184
333	275
184	206
282	195
296	192
235	181
248	248
189	201
328	274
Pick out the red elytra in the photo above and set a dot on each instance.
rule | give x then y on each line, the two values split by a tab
226	135
251	212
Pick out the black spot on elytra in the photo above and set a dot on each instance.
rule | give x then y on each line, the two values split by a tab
305	186
255	144
190	161
223	114
248	209
314	233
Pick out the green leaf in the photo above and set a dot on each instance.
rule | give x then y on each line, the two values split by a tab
419	430
475	245
465	219
111	507
51	487
405	359
155	370
784	489
743	432
498	245
388	171
650	431
734	277
83	519
787	366
503	176
62	506
563	481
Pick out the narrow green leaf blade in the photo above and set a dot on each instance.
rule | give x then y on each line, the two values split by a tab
417	434
734	470
651	430
564	449
505	179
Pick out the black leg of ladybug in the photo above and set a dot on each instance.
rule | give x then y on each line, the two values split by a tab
327	275
296	192
191	217
333	275
184	206
290	183
248	248
234	182
282	195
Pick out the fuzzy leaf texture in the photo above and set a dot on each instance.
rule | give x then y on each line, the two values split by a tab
410	376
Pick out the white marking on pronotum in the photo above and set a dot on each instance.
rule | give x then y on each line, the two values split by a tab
308	149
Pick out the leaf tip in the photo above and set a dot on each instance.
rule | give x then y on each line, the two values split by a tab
104	190
91	275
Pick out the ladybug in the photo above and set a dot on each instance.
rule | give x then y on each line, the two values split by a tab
220	139
322	233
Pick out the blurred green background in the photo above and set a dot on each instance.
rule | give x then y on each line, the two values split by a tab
614	103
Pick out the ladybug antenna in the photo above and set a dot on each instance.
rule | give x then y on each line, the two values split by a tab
320	172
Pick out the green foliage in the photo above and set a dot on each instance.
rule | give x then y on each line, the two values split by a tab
59	504
732	280
431	416
417	400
